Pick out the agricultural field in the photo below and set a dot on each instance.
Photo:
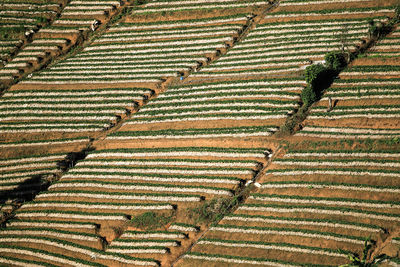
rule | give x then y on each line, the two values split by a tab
19	19
365	103
60	26
309	204
199	133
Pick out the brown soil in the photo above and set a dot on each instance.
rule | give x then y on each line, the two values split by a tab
243	77
391	210
327	229
363	180
43	149
331	193
377	123
374	61
191	14
250	142
222	123
325	17
14	137
305	258
285	238
316	6
361	103
305	215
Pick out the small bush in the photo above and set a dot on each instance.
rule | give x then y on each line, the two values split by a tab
335	61
308	96
211	211
314	73
150	220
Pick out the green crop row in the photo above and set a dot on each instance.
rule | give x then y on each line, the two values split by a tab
287	245
163	159
115	194
350	200
183	149
311	220
194	131
139	184
288	229
336	169
317	207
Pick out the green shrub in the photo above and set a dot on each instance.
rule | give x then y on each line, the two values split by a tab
313	74
150	220
308	96
335	61
211	211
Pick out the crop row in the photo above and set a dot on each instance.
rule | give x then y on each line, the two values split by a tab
337	12
287	232
92	195
236	260
244	73
164	170
69	246
320	2
184	6
336	171
127	243
342	153
159	178
313	210
41	142
341	163
162	162
53	225
346	132
62	234
333	186
300	222
323	201
122	207
139	235
37	254
284	247
180	152
195	133
186	23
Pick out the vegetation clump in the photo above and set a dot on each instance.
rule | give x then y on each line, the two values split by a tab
335	61
366	260
211	211
150	220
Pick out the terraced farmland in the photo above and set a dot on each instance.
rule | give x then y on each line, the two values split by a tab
310	204
19	19
283	43
71	22
176	135
365	104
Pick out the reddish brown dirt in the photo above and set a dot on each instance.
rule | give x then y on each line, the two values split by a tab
250	142
191	14
361	103
223	123
316	6
325	17
43	149
284	238
45	136
376	61
377	123
328	229
269	254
